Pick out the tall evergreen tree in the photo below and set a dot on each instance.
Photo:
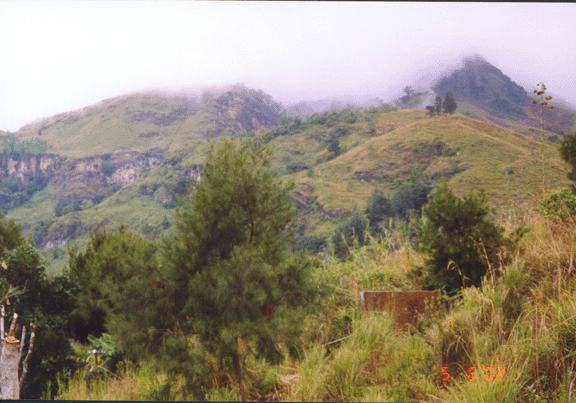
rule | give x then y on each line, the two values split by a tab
450	103
230	268
459	241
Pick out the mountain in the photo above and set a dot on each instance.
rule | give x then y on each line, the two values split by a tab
480	83
143	121
127	160
124	160
484	86
484	92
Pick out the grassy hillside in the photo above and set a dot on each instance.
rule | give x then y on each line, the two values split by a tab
144	121
469	154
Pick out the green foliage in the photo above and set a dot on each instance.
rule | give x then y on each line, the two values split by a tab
182	186
165	222
40	231
45	302
108	168
412	194
229	266
349	234
14	193
98	199
341	130
286	127
67	205
11	144
378	209
438	105
334	146
119	281
460	243
568	153
296	167
312	243
560	205
450	103
10	236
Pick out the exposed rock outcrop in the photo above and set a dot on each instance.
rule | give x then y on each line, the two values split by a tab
25	166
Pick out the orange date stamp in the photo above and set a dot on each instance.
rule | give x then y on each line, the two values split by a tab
490	373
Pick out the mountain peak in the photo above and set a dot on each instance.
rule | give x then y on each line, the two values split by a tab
483	84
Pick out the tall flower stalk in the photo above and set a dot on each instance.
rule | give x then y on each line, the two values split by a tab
542	100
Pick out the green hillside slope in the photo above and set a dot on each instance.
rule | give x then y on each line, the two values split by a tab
144	121
469	154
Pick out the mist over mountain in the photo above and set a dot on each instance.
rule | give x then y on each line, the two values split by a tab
480	82
128	158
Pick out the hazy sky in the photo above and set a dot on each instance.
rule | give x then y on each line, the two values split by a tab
57	56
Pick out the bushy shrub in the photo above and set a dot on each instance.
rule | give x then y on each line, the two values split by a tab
410	198
313	243
379	207
14	193
66	205
568	153
460	243
351	232
561	205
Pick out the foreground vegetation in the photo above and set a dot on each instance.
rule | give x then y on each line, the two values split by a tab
225	308
519	325
507	335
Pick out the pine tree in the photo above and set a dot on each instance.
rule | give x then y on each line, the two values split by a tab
231	272
450	103
459	241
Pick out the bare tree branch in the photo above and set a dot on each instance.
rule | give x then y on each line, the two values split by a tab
12	292
13	324
22	342
30	349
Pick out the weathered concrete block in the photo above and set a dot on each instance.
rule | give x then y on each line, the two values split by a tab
406	306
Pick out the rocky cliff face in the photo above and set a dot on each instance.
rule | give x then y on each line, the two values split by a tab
25	166
75	180
88	177
243	109
84	177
